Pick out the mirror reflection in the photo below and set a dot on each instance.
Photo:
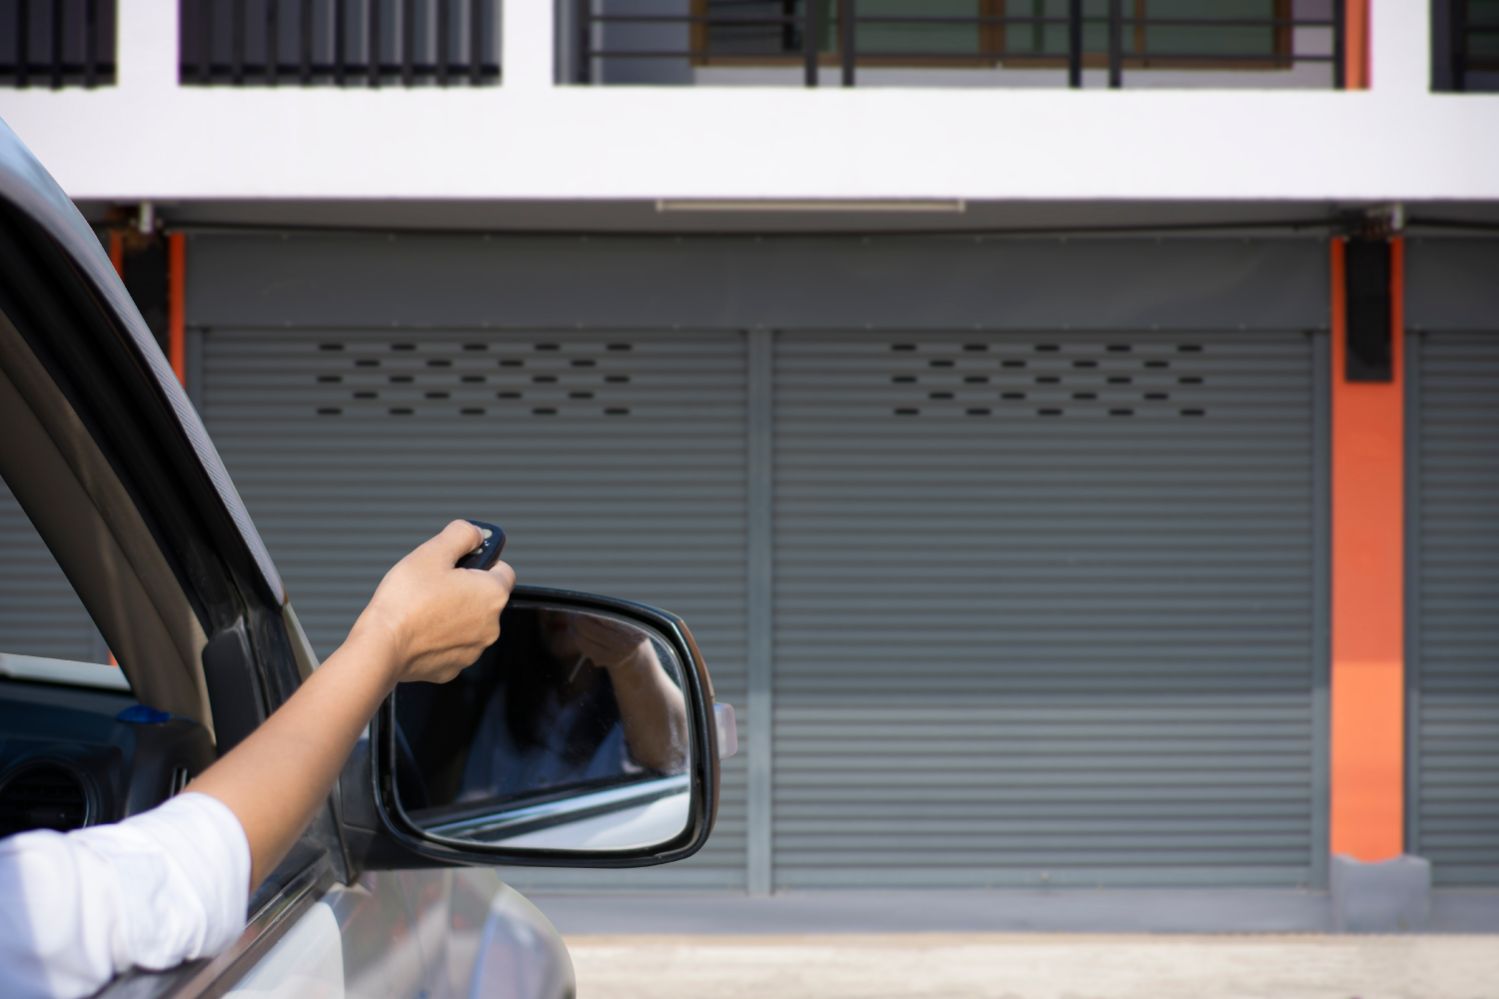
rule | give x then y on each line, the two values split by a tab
570	732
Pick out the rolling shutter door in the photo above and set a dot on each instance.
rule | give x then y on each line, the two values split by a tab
1454	613
1047	610
615	462
40	614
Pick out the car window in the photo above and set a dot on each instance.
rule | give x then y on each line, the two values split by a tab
46	634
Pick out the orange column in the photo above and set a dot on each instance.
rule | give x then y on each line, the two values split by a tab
177	304
1368	628
117	251
1355	44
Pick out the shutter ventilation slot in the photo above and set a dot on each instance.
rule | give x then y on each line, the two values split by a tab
457	377
1074	378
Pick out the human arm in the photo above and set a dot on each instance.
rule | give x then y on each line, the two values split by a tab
171	884
651	707
426	621
162	887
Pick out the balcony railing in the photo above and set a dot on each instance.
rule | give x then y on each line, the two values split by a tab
1075	43
57	43
340	42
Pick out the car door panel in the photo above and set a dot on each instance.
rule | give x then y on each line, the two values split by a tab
306	963
500	945
149	483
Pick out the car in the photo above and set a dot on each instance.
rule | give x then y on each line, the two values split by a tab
392	889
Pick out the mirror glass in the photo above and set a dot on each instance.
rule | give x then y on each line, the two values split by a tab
570	733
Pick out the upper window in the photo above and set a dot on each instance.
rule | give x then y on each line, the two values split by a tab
1003	42
340	42
1228	34
57	43
1465	45
928	32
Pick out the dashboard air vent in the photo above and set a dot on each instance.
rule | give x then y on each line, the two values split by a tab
42	795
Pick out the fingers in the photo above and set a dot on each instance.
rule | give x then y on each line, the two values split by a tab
505	573
455	541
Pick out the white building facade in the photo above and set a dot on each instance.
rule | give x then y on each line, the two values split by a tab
1070	428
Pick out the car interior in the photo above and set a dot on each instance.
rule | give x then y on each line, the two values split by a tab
86	743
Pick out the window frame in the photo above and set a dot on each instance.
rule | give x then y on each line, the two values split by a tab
992	36
1283	56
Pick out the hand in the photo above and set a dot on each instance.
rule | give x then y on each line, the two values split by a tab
435	618
607	643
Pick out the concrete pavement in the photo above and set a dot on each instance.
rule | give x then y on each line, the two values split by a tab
1041	966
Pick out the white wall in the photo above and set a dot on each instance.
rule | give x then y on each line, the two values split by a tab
528	139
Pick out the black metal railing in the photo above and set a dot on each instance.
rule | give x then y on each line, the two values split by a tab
339	42
847	36
1471	31
57	43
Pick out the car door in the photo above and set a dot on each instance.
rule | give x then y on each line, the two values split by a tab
111	464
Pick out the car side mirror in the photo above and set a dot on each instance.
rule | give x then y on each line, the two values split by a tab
586	736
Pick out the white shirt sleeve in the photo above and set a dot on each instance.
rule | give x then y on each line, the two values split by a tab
157	889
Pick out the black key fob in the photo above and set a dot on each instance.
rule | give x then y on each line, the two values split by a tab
488	552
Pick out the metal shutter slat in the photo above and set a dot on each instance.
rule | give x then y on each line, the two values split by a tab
617	467
1454	754
40	614
1064	639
